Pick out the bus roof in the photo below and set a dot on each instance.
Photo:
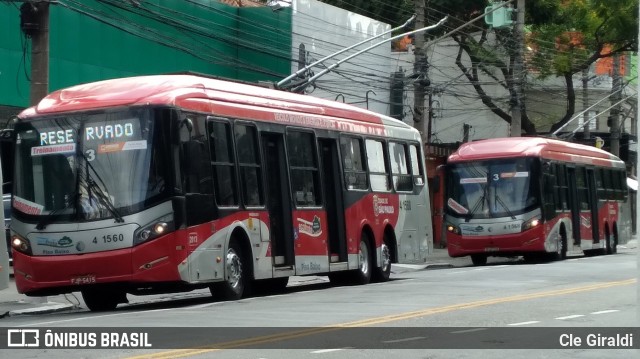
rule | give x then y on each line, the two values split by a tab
509	147
173	89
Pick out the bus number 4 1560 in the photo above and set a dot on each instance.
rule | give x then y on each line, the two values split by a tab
109	238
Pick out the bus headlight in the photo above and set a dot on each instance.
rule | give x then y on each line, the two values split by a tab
21	244
532	223
452	229
155	229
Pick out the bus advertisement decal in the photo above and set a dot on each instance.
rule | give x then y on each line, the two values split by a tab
473	180
457	206
53	149
26	207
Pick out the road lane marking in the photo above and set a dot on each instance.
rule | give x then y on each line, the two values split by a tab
570	316
326	351
606	311
525	323
468	330
179	353
403	340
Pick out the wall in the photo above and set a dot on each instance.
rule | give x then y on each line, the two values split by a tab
324	29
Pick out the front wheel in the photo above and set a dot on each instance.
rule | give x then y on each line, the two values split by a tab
478	259
234	287
103	300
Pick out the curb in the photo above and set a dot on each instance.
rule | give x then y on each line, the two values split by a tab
50	307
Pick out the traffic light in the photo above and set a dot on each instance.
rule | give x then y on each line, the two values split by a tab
497	15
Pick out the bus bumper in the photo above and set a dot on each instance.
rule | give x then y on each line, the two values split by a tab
504	245
50	275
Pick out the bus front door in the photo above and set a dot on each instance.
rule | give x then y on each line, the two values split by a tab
334	205
278	200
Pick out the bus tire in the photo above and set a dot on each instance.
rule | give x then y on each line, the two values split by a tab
235	284
363	273
478	259
382	273
561	253
612	243
271	285
102	300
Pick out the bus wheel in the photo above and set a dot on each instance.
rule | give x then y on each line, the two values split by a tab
561	253
101	300
363	274
382	273
612	244
233	287
478	259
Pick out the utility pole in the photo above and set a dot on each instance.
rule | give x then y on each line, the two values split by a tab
34	22
516	115
466	128
614	113
585	103
40	55
419	69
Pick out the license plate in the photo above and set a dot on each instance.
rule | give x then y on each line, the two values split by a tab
84	279
491	249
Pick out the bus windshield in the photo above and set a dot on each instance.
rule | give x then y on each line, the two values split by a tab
492	189
88	166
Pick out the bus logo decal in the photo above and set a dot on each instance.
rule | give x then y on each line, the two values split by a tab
381	206
61	243
313	229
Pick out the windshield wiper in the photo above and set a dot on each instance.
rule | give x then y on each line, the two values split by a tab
46	220
499	200
102	197
480	200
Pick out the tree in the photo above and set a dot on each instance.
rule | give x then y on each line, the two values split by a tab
578	33
601	24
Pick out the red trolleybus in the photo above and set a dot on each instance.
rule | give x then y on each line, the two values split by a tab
533	197
174	182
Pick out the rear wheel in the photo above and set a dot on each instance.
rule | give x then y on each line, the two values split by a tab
234	287
478	259
612	243
382	273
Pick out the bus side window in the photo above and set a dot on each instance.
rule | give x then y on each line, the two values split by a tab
249	165
223	163
353	160
416	166
303	164
402	179
378	166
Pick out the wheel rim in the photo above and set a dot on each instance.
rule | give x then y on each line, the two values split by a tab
386	257
234	268
364	258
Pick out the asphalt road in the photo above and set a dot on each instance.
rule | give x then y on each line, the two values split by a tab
468	311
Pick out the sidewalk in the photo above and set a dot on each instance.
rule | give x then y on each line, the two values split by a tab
12	303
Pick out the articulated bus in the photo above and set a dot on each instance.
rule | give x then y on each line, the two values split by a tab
173	182
533	197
